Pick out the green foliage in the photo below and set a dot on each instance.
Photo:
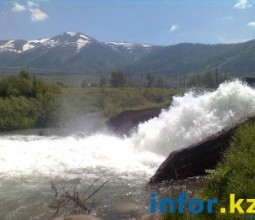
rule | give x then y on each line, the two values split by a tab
150	78
160	82
118	79
18	112
112	101
235	173
26	102
102	81
209	79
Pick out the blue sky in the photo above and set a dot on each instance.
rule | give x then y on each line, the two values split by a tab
161	22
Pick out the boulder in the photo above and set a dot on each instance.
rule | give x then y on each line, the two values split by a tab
197	158
124	122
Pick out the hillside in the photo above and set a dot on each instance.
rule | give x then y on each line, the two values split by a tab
189	58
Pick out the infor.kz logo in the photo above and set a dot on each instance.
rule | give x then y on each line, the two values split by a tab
197	206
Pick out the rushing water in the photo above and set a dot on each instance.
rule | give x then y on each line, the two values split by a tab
28	163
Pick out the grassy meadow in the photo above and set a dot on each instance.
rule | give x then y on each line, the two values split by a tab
28	101
112	101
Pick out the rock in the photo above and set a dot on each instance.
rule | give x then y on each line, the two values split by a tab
197	158
78	217
124	122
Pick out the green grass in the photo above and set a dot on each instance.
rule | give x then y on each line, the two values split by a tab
112	101
236	173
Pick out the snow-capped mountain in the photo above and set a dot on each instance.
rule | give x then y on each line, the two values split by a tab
70	52
66	39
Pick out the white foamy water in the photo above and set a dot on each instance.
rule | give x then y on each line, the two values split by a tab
56	156
193	117
189	119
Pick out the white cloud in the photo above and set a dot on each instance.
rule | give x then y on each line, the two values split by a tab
18	7
251	24
242	4
34	8
174	27
36	13
31	4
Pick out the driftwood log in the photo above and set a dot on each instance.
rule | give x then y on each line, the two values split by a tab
124	122
197	158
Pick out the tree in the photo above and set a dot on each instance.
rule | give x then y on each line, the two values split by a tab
208	80
150	78
160	82
118	79
26	101
102	81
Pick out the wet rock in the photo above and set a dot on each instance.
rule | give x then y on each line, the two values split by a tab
124	122
197	158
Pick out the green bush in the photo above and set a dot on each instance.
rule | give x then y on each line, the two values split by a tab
27	102
18	112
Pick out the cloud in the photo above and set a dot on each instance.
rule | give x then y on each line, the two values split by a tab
36	13
174	27
34	8
31	4
251	24
18	7
242	4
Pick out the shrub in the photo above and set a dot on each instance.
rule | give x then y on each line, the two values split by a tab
26	101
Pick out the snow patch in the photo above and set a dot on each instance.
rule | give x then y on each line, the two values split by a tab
123	44
81	43
71	33
33	43
84	37
146	45
9	46
127	45
51	43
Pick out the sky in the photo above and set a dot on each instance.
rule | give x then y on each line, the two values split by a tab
158	22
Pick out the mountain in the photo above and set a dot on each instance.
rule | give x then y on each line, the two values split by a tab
78	53
187	58
70	53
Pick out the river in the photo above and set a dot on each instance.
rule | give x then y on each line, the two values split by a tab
29	163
